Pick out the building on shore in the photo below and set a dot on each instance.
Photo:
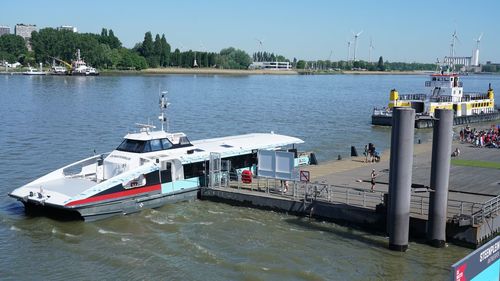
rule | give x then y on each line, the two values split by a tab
4	30
68	27
271	65
25	30
464	61
467	64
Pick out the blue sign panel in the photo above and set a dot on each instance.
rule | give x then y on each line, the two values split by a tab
481	265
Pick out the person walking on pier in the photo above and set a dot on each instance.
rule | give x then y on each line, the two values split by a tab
373	177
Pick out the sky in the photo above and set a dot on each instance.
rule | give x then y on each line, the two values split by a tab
400	30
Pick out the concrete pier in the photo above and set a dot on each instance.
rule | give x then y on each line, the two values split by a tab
400	178
339	191
440	174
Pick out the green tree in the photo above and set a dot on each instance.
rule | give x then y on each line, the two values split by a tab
113	41
154	59
165	51
147	46
380	64
131	60
234	59
176	58
13	45
301	64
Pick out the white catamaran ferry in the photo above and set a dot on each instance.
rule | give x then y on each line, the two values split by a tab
147	170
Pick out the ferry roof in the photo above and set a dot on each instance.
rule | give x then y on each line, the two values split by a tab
148	135
248	141
226	146
237	145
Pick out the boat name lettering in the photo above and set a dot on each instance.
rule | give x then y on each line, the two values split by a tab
119	156
489	251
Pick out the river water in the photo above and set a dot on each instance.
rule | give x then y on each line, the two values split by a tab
47	122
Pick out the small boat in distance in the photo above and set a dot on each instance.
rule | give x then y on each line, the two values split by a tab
148	169
33	71
80	67
58	69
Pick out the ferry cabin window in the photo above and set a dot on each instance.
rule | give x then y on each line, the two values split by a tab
184	141
140	146
136	146
242	161
166	143
194	170
155	145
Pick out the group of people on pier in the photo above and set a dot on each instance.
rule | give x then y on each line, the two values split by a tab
481	138
371	154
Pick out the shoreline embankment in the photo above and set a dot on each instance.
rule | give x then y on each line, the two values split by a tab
217	71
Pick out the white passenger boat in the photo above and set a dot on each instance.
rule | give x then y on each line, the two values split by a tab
33	71
147	170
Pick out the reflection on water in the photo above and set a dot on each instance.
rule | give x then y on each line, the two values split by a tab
48	122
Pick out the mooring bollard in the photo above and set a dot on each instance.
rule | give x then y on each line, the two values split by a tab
400	173
440	176
354	152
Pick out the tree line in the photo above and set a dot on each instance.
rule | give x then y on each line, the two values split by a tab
105	51
265	56
380	65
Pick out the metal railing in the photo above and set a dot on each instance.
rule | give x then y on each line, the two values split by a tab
419	205
312	191
489	209
406	97
466	212
474	96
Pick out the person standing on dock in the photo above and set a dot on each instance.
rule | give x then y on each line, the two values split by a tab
373	177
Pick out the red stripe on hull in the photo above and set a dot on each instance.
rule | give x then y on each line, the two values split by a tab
115	195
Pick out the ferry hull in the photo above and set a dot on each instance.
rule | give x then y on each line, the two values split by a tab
98	211
129	206
427	121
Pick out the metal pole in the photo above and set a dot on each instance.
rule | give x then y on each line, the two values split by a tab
401	163
440	176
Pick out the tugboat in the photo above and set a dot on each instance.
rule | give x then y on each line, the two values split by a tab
147	170
444	90
80	67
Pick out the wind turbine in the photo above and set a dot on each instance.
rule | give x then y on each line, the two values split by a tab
370	51
356	42
260	41
475	55
348	50
478	40
454	37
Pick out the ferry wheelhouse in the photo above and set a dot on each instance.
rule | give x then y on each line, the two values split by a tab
147	170
444	90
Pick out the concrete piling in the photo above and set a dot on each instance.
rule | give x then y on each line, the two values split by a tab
400	173
440	175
